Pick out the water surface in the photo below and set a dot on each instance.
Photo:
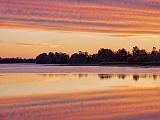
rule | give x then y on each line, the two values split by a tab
42	92
29	84
36	68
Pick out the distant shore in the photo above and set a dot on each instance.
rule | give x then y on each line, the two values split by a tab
104	57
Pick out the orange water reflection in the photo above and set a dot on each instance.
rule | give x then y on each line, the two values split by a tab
84	96
126	104
27	84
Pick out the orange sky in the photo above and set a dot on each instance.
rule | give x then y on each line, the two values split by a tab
30	27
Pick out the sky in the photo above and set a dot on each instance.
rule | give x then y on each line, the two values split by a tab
30	27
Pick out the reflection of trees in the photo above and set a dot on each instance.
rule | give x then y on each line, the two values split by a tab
53	75
122	76
155	77
82	75
105	76
135	77
144	76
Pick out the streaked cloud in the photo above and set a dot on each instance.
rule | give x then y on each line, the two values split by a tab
49	45
116	17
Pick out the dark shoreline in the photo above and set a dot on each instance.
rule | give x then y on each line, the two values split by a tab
104	57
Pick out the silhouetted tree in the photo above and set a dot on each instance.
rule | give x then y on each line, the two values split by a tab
52	58
122	54
42	59
105	55
79	58
139	56
136	51
154	51
17	60
93	59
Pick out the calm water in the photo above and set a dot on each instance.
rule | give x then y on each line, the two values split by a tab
42	92
26	84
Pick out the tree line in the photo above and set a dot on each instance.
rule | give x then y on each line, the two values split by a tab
102	57
17	60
